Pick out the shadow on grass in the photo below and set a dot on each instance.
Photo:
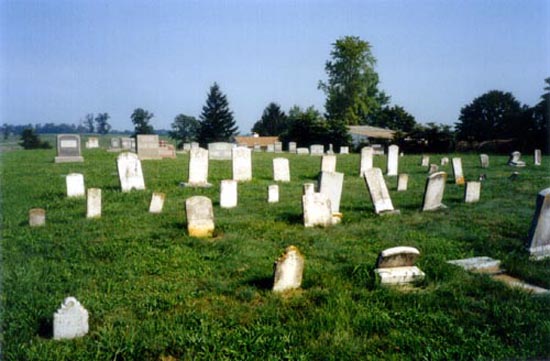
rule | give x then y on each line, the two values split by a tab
45	328
290	218
262	283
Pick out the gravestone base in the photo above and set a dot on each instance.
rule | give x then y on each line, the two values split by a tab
77	159
195	185
399	275
539	253
389	213
201	229
441	206
518	163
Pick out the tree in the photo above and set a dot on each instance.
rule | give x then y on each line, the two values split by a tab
352	87
141	118
103	126
89	123
273	122
305	127
184	129
216	120
6	130
429	138
395	118
537	123
29	140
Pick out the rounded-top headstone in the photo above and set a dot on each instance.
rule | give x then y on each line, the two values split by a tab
397	257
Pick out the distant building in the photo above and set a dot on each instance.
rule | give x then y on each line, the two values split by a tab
253	140
366	134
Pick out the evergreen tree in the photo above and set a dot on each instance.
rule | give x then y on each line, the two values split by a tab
216	120
29	140
274	121
141	118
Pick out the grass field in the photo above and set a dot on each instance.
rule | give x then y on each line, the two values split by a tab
154	293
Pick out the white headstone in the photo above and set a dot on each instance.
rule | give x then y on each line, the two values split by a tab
273	193
270	148
242	164
515	160
402	182
278	147
457	171
281	170
484	160
148	146
444	161
37	217
379	192
127	143
220	151
317	210
228	193
344	150
288	270
395	266
68	148
434	168
539	234
92	143
316	149
200	216
309	188
328	163
70	321
433	193
537	157
302	151
425	161
198	168
366	160
157	202
292	147
75	185
93	203
472	192
331	183
393	159
129	172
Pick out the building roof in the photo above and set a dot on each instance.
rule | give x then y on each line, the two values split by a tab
371	132
251	141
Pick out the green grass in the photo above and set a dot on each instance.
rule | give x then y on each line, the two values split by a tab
153	292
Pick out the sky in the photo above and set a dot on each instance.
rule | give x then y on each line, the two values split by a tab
60	60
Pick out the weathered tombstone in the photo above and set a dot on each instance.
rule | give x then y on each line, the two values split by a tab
278	147
344	150
127	143
273	193
148	146
309	188
484	160
328	163
242	164
402	182
317	210
472	192
270	148
257	148
316	149
444	161
133	144
70	321
157	202
75	185
515	160
378	149
37	217
93	201
425	162
292	147
366	160
302	151
186	147
200	216
433	193
379	192
457	171
129	172
395	266
537	157
198	168
331	183
220	151
115	143
228	193
539	234
330	149
288	270
92	143
393	159
166	150
434	168
195	145
281	170
68	148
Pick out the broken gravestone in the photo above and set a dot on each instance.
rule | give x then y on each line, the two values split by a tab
395	266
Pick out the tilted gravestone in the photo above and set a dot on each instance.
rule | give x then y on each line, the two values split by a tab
281	170
75	185
316	149
68	149
378	192
472	192
515	161
228	193
200	216
393	160
328	163
220	151
288	270
425	162
402	182
484	160
70	321
93	209
395	266
157	202
273	193
367	154
317	210
129	172
433	193
457	171
242	164
37	217
198	168
148	146
537	157
331	183
539	234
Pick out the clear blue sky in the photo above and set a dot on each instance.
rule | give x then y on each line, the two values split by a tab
63	59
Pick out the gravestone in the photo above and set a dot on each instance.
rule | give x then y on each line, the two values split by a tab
166	150
220	151
115	143
292	147
228	193
133	144
378	191
92	143
75	185
127	143
281	170
242	164
129	172
198	168
309	188
395	266
93	201
328	163
484	160
457	171
433	192
270	148
68	149
37	217
444	161
515	161
539	234
317	210
393	160
200	216
378	149
288	270
302	151
331	183
330	149
148	146
402	182
195	145
157	202
434	168
537	157
278	147
186	147
316	149
425	162
367	154
472	192
257	148
344	150
273	193
70	321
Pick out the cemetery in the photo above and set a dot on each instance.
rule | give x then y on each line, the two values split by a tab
272	254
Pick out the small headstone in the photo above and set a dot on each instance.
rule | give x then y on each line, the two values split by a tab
92	143
328	163
68	148
378	149
115	143
186	147
75	185
515	161
330	149
366	160
157	202
127	143
397	257
344	150
242	164
292	147
148	146
434	168
129	172
228	193
270	148
316	149
302	151
257	148
472	192
402	182
482	177
70	321
278	147
200	216
37	217
167	150
220	151
273	193
425	162
198	168
484	160
457	171
539	234
433	193
309	188
195	145
317	210
133	144
281	170
331	183
393	160
379	192
395	266
537	157
288	270
93	203
444	161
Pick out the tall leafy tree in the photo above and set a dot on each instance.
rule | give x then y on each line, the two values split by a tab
216	120
89	122
274	121
141	118
184	129
102	121
395	118
352	87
